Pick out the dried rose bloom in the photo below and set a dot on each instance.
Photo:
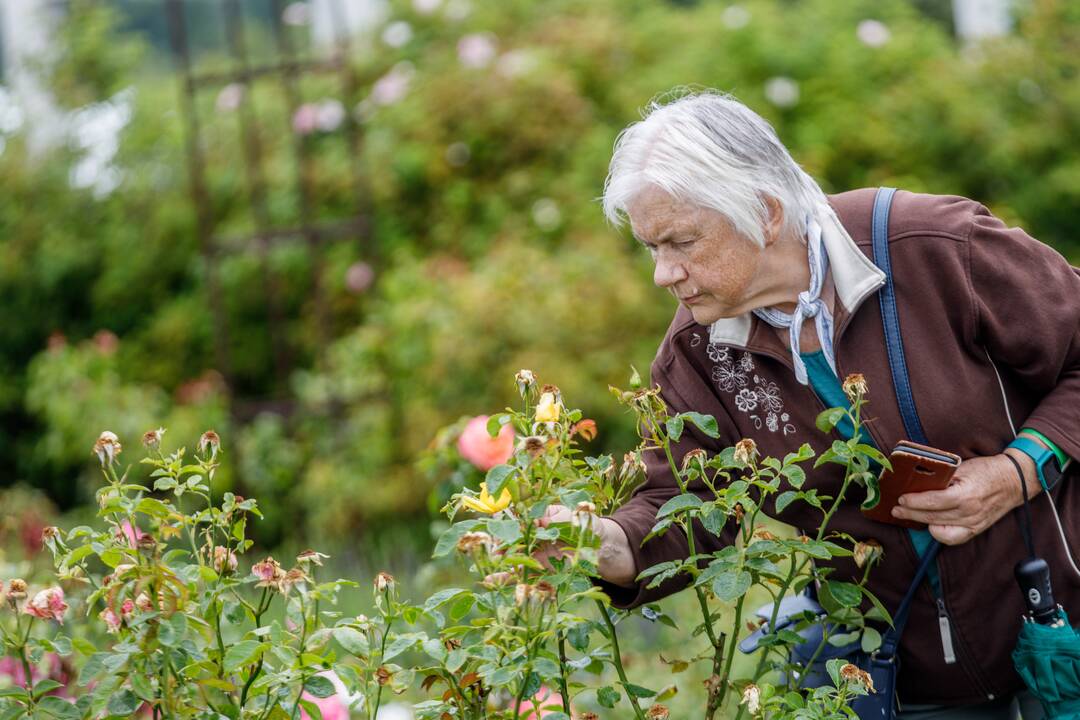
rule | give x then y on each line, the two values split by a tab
209	444
534	445
151	439
745	451
751	698
526	381
127	608
293	577
855	386
112	620
310	556
584	516
107	448
224	559
383	582
472	542
17	589
855	674
763	534
144	603
47	604
49	532
383	676
269	573
657	712
694	457
544	592
866	552
522	592
633	468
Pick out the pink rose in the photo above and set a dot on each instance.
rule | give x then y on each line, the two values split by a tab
48	605
482	450
334	707
534	708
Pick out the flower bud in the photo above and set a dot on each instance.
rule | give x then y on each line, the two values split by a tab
107	448
867	552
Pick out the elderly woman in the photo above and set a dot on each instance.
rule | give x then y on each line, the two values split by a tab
778	300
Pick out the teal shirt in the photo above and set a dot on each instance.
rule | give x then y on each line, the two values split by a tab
826	385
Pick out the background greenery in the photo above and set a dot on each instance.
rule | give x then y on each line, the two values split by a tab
487	244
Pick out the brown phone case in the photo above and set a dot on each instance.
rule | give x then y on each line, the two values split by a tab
910	473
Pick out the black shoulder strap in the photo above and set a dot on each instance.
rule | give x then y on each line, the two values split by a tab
890	318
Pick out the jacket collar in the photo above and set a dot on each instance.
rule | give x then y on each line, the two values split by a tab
854	275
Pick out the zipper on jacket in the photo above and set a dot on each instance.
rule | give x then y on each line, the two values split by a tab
946	632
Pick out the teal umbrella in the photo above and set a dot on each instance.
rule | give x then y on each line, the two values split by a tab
1047	657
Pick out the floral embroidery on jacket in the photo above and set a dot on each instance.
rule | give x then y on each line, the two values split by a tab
754	395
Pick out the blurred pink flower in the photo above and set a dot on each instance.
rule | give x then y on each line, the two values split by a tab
873	33
51	666
129	531
106	341
359	277
330	115
482	450
476	50
334	707
533	709
48	605
229	98
306	119
111	619
393	86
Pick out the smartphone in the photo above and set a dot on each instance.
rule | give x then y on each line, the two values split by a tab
915	468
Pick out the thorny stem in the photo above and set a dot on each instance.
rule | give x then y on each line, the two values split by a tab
382	651
263	605
563	690
618	660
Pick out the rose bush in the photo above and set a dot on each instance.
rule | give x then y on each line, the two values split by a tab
195	631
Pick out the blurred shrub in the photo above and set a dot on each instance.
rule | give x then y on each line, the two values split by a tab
485	140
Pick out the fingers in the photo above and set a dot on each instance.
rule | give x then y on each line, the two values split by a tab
951	534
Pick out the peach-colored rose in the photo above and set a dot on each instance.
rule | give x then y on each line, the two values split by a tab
482	450
48	605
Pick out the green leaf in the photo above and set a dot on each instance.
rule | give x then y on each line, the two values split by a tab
311	708
448	540
319	686
638	691
677	503
461	606
61	708
731	585
123	703
398	646
44	686
829	419
440	597
495	423
153	507
607	696
704	423
507	531
833	666
497	477
172	631
354	641
674	427
795	475
846	594
243	653
784	499
871	640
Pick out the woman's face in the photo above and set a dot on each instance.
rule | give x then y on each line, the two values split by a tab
699	257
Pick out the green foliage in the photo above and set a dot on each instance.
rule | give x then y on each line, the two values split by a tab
487	244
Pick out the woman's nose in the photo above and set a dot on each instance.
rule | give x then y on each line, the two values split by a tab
667	272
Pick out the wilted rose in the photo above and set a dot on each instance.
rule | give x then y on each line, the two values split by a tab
47	604
384	581
310	556
17	589
751	698
472	542
107	448
209	444
525	381
151	439
745	451
855	386
657	712
112	620
866	552
855	674
269	573
224	558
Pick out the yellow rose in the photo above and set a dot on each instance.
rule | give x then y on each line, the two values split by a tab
547	410
485	503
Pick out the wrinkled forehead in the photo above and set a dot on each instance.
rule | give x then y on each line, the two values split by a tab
654	214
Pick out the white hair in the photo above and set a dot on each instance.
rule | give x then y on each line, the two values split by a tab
709	149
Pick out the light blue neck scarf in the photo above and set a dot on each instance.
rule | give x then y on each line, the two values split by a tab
810	305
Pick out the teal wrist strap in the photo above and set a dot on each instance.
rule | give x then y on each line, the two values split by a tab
1037	453
1062	458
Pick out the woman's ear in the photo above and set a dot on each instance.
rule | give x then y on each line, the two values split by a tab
774	225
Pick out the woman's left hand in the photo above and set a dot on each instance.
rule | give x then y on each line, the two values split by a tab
982	490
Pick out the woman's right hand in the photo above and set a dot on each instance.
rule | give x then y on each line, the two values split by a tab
615	561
